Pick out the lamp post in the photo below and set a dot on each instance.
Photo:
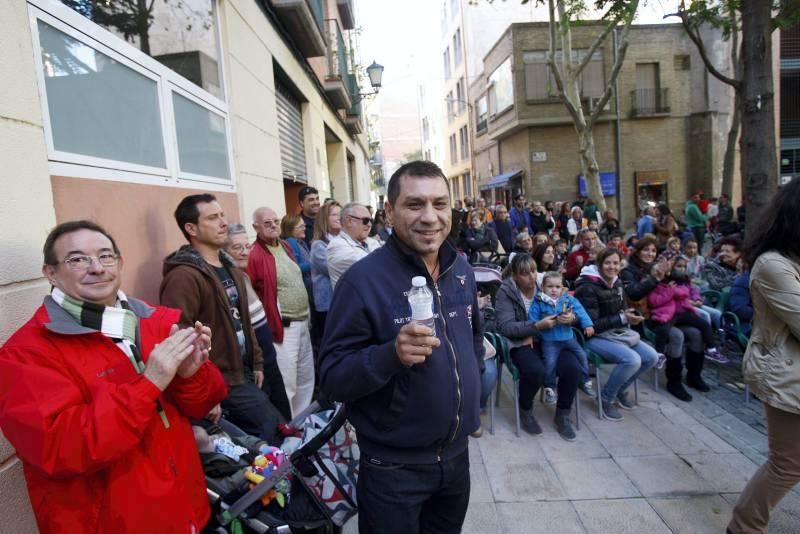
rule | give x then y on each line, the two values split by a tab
375	75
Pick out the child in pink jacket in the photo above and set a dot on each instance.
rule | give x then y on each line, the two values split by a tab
670	305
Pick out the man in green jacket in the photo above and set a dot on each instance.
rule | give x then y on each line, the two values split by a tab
696	221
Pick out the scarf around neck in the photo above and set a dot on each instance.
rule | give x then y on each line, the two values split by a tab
118	324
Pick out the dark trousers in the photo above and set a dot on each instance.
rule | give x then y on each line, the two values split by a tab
531	374
273	380
249	408
700	236
531	377
689	318
405	498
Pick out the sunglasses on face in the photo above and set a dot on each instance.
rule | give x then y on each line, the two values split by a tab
364	220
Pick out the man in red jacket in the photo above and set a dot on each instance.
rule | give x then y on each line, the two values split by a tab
96	392
579	257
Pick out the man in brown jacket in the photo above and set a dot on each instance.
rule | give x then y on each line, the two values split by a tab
203	282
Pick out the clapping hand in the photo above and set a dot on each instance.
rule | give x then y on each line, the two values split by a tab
202	345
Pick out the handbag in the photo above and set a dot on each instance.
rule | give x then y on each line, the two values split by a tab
627	336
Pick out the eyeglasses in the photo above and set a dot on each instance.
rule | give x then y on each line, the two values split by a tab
364	220
241	248
271	222
81	263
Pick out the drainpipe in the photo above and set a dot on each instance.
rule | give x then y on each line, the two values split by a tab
618	128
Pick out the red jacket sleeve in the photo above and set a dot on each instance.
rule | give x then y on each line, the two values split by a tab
573	270
43	413
195	396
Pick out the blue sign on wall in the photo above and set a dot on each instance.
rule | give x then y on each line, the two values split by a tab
608	183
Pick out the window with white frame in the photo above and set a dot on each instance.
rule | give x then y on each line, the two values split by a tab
501	88
112	111
481	114
458	48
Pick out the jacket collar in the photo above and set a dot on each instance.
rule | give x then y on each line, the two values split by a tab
350	241
186	255
62	322
447	255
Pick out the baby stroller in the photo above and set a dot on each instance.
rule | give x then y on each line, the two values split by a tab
488	278
322	467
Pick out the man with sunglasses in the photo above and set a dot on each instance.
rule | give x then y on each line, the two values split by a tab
351	244
96	393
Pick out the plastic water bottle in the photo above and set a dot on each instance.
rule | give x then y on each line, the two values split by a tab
421	300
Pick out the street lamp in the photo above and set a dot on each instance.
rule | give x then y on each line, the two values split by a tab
375	74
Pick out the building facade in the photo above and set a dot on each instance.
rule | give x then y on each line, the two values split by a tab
661	135
469	30
790	103
116	122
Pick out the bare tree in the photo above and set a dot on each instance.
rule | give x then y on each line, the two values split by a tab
568	70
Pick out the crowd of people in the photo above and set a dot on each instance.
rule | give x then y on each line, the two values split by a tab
99	391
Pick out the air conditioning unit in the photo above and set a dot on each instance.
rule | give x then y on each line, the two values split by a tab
595	100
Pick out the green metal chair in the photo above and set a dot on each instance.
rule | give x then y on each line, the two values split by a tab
731	320
500	345
597	362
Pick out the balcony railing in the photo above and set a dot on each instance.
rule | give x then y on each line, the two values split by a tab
646	102
318	11
304	22
790	127
337	52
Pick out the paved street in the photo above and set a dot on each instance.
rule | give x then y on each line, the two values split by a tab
668	467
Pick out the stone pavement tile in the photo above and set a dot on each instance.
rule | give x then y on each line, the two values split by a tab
520	479
743	431
586	446
539	518
482	519
628	437
662	476
694	515
621	516
480	490
594	479
725	472
475	451
676	436
507	445
712	441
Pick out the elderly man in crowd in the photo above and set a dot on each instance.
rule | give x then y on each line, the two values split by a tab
277	278
96	392
351	244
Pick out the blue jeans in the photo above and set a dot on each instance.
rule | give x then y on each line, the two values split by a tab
488	380
631	362
550	353
401	498
713	315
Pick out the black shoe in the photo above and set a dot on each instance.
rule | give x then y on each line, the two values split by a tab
677	389
697	382
610	411
564	425
625	402
529	424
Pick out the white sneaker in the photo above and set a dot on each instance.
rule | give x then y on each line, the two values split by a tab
588	388
549	396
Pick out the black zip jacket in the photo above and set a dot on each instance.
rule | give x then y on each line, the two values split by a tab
417	415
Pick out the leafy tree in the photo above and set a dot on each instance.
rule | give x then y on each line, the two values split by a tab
752	81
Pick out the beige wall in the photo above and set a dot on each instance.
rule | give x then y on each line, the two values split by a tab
26	217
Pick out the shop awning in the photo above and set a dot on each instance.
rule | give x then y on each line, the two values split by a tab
501	180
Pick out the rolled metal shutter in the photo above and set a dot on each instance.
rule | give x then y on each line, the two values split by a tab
290	134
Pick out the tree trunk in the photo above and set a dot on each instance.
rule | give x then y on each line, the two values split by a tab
729	163
591	171
757	145
143	14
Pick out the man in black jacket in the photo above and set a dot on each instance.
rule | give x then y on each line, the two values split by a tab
540	221
412	396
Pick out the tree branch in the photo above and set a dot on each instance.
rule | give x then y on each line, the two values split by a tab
619	59
554	69
694	35
597	42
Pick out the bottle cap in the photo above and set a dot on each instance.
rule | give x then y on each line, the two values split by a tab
419	281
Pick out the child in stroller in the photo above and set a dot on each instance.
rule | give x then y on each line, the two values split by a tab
313	478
